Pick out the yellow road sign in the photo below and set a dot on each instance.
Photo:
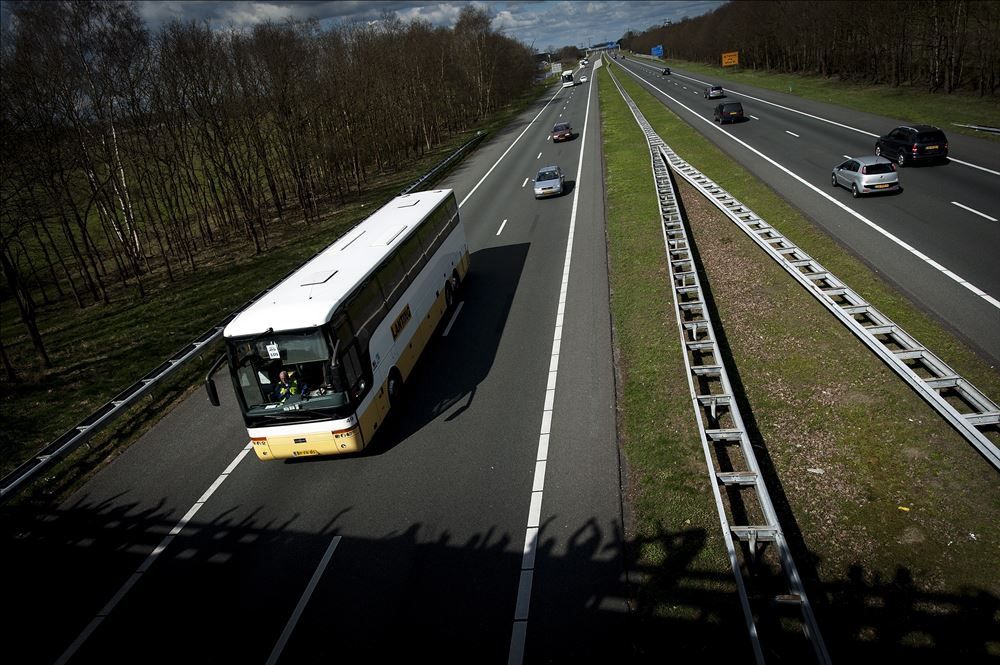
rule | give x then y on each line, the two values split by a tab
730	59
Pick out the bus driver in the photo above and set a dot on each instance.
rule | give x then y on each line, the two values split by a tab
287	385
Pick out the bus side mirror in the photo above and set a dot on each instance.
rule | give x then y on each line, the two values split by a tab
213	392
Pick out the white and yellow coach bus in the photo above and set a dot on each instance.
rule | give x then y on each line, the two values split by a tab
319	360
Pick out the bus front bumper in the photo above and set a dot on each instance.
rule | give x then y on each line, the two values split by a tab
313	444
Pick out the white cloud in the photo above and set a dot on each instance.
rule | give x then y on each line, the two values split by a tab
440	14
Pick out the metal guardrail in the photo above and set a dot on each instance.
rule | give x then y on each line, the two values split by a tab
720	423
433	174
105	415
109	412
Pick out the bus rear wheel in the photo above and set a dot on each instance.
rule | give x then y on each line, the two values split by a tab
449	295
394	387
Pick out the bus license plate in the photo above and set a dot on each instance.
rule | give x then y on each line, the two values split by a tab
301	453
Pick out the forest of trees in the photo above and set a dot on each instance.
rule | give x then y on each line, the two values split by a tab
127	152
939	45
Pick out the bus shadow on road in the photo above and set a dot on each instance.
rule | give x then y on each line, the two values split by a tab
452	367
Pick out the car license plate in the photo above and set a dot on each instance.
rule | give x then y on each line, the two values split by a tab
932	147
882	186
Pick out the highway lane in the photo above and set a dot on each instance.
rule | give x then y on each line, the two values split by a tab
922	216
432	524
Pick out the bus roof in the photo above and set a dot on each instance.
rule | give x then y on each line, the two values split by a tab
308	297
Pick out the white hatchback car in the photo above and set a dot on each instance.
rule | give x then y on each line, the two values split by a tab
583	79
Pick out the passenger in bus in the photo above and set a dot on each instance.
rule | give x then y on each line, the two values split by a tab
287	385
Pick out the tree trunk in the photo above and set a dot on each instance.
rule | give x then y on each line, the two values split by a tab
25	306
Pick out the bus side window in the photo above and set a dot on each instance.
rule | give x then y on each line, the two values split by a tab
431	231
452	211
392	278
354	370
412	256
366	310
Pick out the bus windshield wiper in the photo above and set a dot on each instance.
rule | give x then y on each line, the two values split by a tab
296	414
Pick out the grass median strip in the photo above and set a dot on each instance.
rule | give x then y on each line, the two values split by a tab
686	597
897	513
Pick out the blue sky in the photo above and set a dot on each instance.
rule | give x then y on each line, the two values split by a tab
542	24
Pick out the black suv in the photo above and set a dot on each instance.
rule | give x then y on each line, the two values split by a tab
913	143
729	112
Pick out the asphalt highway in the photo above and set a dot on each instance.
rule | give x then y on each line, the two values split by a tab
937	241
484	526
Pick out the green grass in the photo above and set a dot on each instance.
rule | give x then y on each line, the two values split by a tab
100	350
906	103
820	400
688	589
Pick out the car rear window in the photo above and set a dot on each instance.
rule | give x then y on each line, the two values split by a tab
729	108
880	167
931	137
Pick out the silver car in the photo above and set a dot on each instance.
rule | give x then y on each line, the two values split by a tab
714	92
866	175
548	182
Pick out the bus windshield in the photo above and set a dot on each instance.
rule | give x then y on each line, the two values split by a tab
288	377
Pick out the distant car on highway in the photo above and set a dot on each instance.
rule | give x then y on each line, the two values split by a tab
562	131
913	143
548	182
729	112
714	92
666	71
583	79
866	175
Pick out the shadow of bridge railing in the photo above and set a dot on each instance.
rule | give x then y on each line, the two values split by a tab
224	588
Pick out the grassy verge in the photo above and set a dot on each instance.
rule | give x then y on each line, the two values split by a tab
99	350
685	598
896	516
910	104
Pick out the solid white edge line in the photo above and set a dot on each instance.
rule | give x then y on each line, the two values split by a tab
912	250
453	317
815	117
148	561
306	595
509	148
974	211
520	626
